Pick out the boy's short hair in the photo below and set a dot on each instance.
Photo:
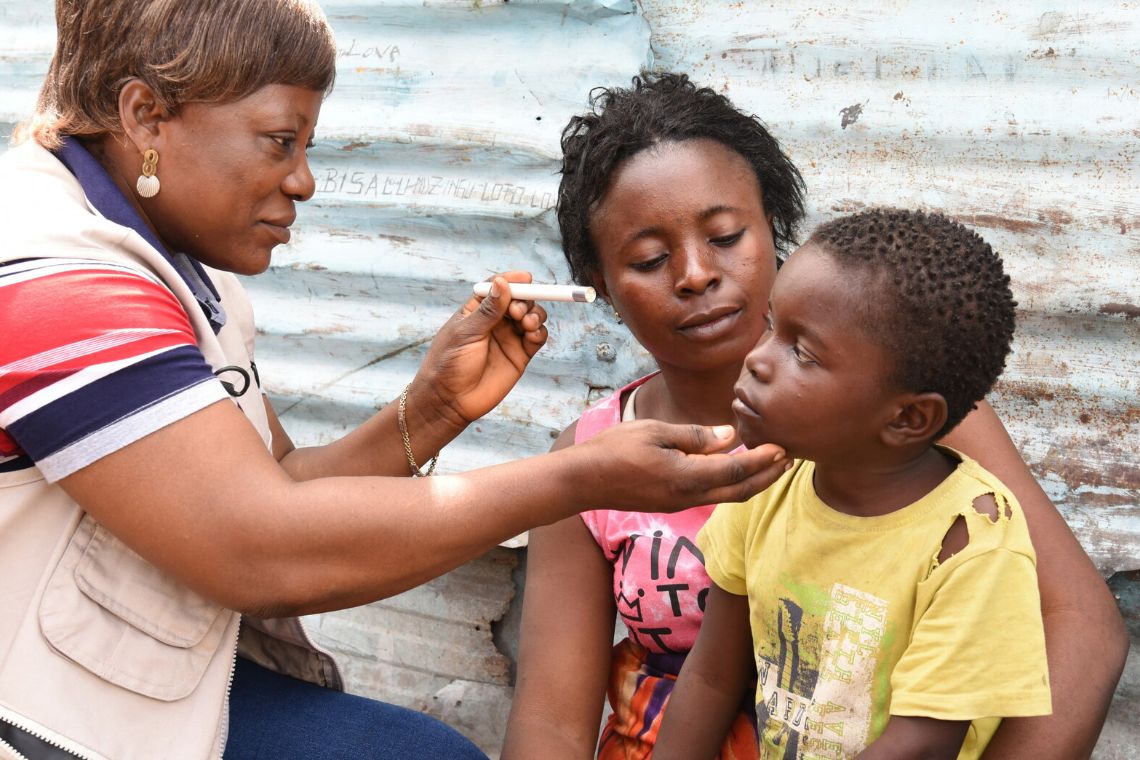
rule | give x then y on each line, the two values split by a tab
940	300
211	51
657	108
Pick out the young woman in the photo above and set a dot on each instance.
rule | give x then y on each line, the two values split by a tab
674	204
155	518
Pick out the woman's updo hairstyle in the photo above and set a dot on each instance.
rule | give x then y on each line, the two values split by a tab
187	51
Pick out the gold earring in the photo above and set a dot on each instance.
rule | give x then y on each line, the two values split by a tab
148	185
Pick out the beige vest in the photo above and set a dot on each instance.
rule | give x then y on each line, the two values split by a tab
101	653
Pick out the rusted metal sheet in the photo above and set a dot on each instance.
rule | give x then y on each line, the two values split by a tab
1020	120
436	163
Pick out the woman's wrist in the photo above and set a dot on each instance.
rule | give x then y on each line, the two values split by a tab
402	421
429	422
588	479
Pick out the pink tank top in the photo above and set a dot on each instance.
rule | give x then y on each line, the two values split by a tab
660	583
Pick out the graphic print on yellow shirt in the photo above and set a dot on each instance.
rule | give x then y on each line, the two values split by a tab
854	619
821	669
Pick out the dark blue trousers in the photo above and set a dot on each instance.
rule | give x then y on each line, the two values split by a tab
274	717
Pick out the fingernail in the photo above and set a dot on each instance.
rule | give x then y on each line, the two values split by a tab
788	466
724	432
494	293
778	457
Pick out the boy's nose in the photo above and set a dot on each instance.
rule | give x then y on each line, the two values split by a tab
759	362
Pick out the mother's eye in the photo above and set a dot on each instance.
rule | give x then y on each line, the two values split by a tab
727	240
649	264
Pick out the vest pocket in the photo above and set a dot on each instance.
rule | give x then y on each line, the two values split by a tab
109	610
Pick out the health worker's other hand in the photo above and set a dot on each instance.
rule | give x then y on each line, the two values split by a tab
481	352
650	466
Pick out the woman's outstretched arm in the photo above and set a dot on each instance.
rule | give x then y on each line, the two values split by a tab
1086	641
204	500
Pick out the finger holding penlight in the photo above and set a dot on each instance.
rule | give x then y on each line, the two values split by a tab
522	291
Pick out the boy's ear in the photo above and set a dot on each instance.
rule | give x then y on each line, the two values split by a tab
918	418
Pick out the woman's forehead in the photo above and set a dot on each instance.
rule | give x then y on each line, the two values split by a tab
692	174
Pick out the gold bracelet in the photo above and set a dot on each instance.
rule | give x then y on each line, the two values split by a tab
403	420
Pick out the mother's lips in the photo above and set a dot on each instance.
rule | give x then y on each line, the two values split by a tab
705	317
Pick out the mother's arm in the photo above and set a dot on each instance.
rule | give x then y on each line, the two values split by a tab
1086	640
565	643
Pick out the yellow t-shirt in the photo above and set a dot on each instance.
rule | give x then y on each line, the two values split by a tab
854	619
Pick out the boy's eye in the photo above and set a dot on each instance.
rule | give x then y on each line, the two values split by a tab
802	356
727	240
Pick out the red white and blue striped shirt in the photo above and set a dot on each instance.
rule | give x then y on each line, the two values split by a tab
93	355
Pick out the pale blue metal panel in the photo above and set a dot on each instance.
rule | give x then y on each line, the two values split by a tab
435	167
436	163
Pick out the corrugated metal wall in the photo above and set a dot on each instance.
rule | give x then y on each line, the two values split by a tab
436	163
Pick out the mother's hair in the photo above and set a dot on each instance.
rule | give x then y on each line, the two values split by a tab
206	51
657	108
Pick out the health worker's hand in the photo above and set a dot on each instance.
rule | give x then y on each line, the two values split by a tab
651	466
481	352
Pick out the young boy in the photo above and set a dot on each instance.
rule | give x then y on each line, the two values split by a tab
888	584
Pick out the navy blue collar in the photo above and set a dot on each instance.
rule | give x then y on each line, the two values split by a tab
105	196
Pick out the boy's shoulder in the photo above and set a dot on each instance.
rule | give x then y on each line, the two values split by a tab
992	515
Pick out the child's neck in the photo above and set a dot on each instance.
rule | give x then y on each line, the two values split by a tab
872	491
